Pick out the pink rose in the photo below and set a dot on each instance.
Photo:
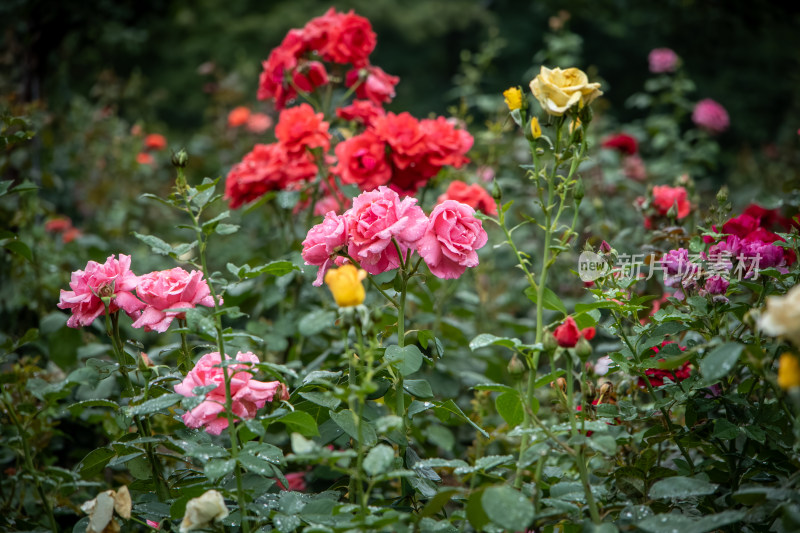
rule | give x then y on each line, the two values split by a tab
297	482
323	242
710	116
170	289
662	60
113	278
258	123
375	219
451	239
248	395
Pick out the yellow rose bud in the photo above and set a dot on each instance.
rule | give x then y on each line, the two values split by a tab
788	371
536	128
513	98
558	90
345	285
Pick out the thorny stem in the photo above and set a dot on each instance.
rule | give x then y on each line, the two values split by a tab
143	426
28	457
202	243
185	361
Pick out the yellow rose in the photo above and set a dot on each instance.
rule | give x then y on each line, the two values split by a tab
513	98
558	90
782	316
788	371
536	128
345	285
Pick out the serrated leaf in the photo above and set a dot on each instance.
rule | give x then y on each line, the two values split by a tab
509	406
451	407
18	247
669	523
487	339
217	468
418	388
300	422
157	245
155	405
320	398
378	460
346	420
507	508
551	300
407	359
679	487
721	361
95	461
255	464
494	387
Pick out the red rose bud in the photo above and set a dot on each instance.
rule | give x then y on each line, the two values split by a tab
588	333
567	334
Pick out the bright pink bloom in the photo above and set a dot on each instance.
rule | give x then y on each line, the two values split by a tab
300	127
451	239
623	143
376	218
113	278
155	141
170	289
662	60
153	524
258	123
322	243
377	85
664	197
473	195
362	161
710	116
248	395
363	111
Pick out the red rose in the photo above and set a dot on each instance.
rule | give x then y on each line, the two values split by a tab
363	111
282	60
656	375
310	76
350	39
623	143
568	334
664	197
300	128
446	144
362	161
473	195
155	141
378	86
403	135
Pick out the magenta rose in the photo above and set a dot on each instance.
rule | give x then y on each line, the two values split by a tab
710	116
113	279
248	394
170	289
662	60
322	243
375	219
451	239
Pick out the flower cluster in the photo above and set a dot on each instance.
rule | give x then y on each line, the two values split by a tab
381	230
285	164
248	395
340	38
162	295
400	151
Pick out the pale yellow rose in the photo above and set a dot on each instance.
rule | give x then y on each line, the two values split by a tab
203	510
558	90
782	316
101	510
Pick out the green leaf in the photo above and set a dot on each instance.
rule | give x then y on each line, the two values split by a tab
680	487
198	321
346	419
669	523
320	398
379	460
78	407
418	388
154	405
256	465
494	387
507	508
18	247
487	339
721	361
725	430
218	468
300	422
475	514
451	407
316	322
407	359
156	245
95	461
551	300
226	229
509	405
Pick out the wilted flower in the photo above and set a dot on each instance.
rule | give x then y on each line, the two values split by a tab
203	510
101	510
